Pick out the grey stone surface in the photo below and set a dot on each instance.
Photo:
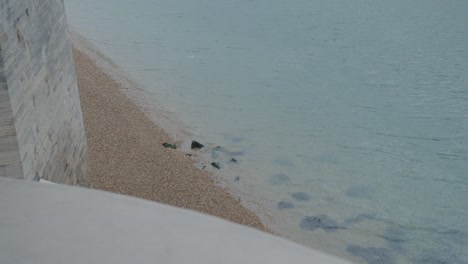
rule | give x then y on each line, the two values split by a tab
41	125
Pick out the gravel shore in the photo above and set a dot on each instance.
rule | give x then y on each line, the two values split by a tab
127	156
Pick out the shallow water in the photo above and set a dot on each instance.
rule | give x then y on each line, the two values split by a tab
348	120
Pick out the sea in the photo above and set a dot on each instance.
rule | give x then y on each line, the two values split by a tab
343	123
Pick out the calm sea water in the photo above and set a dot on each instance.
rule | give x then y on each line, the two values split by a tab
348	119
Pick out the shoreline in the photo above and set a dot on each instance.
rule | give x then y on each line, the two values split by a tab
127	155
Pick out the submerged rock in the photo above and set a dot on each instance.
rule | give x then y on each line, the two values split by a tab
319	222
279	178
285	205
233	160
215	152
395	239
168	145
237	178
196	145
219	148
216	165
301	196
373	255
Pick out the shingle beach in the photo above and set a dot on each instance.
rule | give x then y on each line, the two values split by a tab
127	155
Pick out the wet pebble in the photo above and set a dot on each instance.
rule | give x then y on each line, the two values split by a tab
216	165
168	145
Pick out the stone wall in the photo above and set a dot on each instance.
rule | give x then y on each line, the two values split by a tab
39	95
10	162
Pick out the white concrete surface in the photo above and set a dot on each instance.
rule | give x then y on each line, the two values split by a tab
55	224
45	181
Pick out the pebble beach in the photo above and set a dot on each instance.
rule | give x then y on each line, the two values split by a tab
127	155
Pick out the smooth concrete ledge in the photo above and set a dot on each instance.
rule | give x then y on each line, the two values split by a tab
55	224
45	181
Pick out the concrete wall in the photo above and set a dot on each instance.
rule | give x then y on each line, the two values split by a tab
39	95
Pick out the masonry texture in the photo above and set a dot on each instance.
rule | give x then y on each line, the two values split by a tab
41	124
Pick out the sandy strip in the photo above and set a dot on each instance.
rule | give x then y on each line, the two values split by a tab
127	156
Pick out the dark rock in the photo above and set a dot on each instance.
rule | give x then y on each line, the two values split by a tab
319	222
196	145
301	196
233	160
285	205
203	167
190	155
237	178
168	145
371	255
216	165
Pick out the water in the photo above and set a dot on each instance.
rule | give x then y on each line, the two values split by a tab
348	119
